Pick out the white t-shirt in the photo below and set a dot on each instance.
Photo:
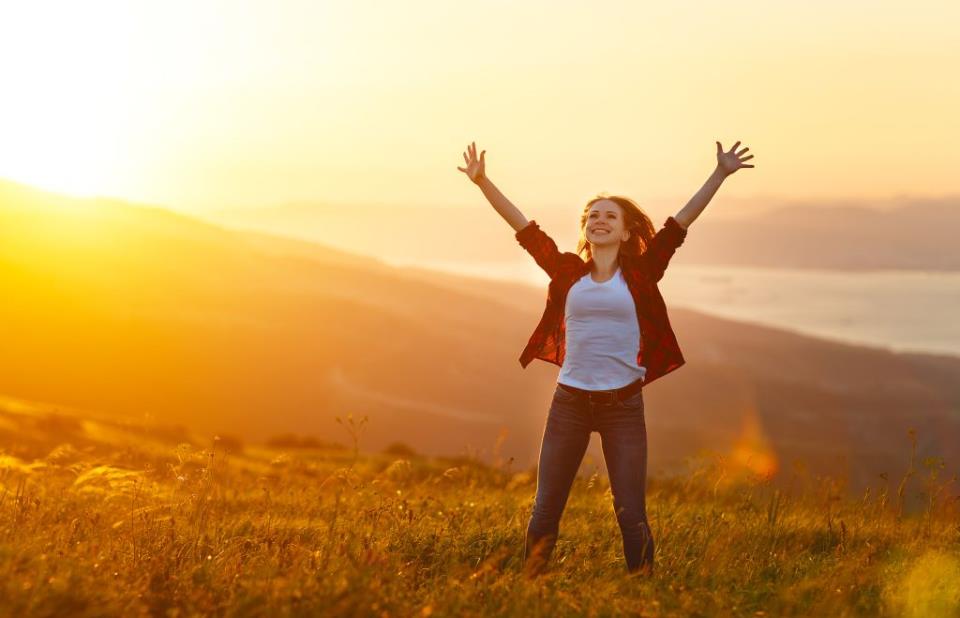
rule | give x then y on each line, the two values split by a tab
602	335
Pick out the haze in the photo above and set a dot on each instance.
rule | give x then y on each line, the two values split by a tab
202	106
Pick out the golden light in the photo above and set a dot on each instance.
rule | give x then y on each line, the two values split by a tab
65	120
154	101
752	451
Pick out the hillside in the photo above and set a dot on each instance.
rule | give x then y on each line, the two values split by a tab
142	313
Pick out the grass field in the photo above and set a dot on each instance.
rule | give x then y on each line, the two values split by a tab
99	517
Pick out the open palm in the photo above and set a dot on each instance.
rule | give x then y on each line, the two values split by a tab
731	161
475	167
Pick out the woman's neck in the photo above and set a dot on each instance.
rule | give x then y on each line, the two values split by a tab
605	263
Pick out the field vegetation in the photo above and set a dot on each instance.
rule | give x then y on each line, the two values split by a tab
102	517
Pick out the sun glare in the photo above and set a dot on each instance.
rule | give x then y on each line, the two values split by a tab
69	115
130	99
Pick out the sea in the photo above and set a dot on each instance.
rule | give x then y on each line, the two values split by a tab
901	310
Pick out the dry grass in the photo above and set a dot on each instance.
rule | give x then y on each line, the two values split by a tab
107	519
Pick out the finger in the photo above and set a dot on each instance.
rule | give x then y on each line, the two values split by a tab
465	159
734	147
473	149
748	166
719	148
481	156
743	151
462	170
747	158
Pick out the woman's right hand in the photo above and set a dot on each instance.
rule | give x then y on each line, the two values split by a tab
475	166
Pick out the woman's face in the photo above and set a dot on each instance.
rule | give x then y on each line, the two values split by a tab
605	224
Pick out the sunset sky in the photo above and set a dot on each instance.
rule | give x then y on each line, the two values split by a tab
206	105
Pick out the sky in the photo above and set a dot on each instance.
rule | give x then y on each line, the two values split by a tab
200	106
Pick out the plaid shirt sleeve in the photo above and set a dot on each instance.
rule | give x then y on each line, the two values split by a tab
662	247
540	246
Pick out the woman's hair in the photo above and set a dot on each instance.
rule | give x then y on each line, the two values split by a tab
634	220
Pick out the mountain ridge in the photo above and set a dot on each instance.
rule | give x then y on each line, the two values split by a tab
204	326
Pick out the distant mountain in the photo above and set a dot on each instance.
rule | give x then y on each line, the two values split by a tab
910	234
919	235
139	311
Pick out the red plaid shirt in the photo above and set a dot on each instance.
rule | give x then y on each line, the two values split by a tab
659	350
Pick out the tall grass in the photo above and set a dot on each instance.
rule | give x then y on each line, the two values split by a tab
92	524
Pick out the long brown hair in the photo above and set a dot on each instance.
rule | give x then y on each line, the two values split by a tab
635	221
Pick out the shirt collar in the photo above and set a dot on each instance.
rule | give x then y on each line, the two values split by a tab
588	265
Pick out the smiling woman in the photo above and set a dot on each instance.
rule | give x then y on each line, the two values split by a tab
605	324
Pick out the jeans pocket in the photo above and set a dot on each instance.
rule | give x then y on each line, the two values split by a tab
633	401
562	394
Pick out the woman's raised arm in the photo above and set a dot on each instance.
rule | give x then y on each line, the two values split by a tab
477	174
727	163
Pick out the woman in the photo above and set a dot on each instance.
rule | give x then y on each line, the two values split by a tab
606	326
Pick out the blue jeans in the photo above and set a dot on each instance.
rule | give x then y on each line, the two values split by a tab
571	420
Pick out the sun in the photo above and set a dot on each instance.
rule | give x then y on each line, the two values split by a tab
66	164
67	110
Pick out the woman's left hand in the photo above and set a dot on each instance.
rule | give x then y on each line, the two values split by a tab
730	161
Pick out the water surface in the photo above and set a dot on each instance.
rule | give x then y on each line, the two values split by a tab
903	310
